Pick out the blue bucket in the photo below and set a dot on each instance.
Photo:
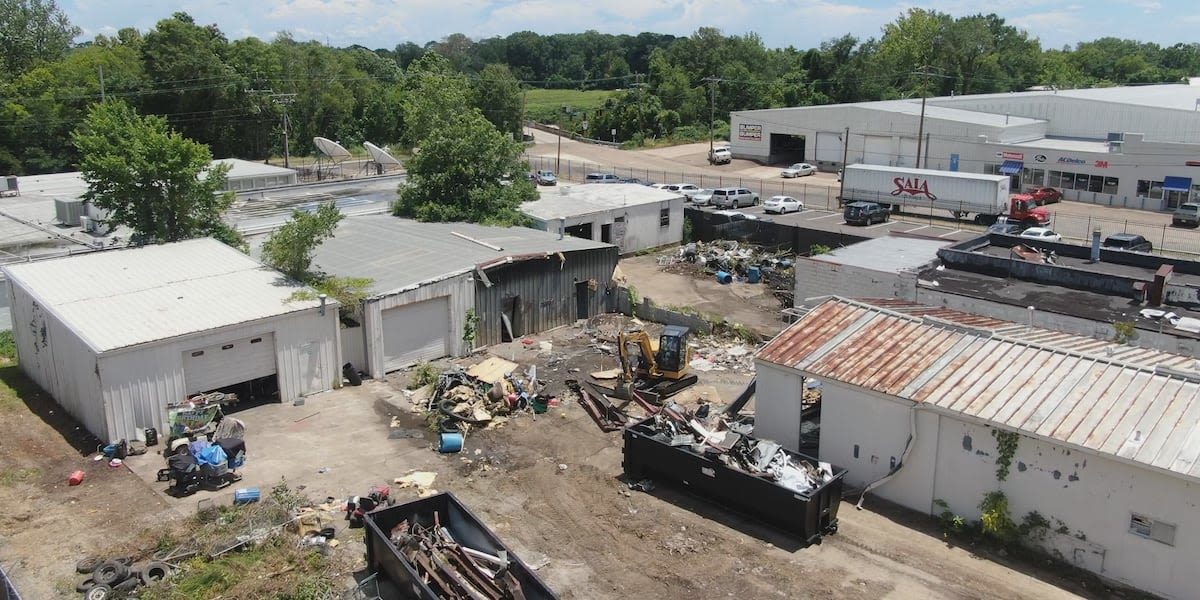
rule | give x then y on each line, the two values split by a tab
450	442
753	275
246	495
723	277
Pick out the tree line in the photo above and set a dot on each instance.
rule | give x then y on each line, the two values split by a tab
236	96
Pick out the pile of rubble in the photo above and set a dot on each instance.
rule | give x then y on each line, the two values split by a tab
714	354
744	263
452	569
486	395
727	439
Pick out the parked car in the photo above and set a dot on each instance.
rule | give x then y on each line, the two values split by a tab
544	177
734	215
720	155
602	178
865	213
687	189
1187	214
782	204
1046	195
799	170
702	197
1128	241
637	181
1005	228
733	197
1043	234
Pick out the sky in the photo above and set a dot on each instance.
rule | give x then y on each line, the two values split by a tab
780	23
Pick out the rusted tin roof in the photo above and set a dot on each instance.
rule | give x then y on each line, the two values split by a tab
1138	404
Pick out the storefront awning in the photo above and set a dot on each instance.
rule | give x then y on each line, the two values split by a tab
1011	167
1177	184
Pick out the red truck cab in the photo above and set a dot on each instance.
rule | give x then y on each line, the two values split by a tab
1024	208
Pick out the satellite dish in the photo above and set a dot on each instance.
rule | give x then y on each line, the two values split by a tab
379	155
332	149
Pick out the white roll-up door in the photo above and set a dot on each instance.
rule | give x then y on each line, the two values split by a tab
908	153
415	332
219	365
877	150
829	147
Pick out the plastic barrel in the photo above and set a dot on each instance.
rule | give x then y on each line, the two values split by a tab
450	442
753	275
723	277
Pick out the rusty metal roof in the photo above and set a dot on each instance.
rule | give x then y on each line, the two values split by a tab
1137	404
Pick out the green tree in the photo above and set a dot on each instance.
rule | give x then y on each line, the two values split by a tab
463	173
498	96
151	179
435	95
32	32
290	249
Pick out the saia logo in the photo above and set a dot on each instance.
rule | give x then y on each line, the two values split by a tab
913	186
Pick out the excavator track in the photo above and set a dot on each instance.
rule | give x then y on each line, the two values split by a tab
665	388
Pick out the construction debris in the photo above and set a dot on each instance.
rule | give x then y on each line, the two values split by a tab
485	395
744	263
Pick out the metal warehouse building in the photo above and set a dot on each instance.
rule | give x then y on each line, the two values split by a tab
1137	147
630	216
1103	439
427	278
115	336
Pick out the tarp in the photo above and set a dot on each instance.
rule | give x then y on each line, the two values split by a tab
1011	167
1177	184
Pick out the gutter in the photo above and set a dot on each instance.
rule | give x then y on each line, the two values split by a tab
908	446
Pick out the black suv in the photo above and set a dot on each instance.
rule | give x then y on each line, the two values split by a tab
1128	241
865	213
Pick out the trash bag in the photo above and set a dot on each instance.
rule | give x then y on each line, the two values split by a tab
212	455
235	451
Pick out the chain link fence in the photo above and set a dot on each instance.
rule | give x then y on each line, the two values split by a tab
8	591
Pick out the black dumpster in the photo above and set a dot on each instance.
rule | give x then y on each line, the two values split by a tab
386	559
809	514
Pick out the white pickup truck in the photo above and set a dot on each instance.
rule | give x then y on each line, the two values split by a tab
720	155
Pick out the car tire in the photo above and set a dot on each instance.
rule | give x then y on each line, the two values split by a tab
83	586
89	564
152	572
110	572
99	592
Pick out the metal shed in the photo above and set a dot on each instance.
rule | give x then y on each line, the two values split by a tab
427	277
631	216
116	336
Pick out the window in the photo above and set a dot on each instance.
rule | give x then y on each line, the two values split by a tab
197	353
664	217
1143	526
1150	189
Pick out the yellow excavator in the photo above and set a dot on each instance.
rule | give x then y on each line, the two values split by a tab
661	367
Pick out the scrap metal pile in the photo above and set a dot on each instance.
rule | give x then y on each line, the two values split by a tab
727	439
486	395
454	571
775	268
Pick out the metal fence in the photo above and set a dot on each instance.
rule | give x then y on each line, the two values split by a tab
8	591
1075	228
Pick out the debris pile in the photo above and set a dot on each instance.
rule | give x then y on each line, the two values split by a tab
486	395
451	569
744	263
714	354
726	439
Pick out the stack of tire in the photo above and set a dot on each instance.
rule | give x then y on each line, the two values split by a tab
106	577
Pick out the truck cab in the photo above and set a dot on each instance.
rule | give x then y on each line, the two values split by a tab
1024	209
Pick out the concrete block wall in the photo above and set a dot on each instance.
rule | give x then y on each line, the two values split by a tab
816	278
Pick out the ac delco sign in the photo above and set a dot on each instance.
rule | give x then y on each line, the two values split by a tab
912	186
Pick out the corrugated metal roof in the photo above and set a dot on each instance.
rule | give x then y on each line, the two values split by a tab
887	254
566	201
245	168
399	253
120	298
1092	394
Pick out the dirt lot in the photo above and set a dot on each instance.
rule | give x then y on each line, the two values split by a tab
594	537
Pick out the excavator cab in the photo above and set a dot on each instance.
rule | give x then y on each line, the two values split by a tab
673	351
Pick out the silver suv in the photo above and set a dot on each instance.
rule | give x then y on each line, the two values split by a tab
602	178
733	197
1187	214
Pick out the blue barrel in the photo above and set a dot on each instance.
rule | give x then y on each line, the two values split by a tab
450	442
723	277
753	275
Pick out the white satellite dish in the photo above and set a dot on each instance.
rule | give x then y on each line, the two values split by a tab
332	149
379	155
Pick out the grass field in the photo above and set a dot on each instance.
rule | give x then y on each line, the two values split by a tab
545	105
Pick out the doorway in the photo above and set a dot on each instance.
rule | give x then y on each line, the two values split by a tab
581	299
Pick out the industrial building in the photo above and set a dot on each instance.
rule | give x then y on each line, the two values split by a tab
934	409
630	216
246	175
116	336
443	289
1137	147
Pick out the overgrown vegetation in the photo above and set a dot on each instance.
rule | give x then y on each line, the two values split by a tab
8	346
470	327
1124	331
422	374
290	248
634	300
817	249
1006	448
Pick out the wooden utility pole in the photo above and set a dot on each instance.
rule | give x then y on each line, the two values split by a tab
712	112
921	126
842	172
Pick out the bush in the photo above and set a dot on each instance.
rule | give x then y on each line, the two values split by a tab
8	345
423	374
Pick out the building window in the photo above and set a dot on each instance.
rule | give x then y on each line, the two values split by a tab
1143	526
1110	185
1150	189
664	217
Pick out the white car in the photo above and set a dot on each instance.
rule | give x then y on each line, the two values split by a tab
782	204
688	190
1041	233
702	197
799	170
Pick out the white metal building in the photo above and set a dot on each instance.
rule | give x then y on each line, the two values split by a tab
427	278
631	216
1108	435
883	267
249	175
1128	146
115	336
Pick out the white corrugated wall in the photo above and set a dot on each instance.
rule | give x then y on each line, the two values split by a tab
460	291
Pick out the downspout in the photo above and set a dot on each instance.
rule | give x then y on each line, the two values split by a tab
908	446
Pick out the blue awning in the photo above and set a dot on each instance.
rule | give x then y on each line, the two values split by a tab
1011	167
1177	184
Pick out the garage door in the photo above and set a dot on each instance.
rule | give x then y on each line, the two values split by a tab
908	153
206	369
877	150
415	332
829	147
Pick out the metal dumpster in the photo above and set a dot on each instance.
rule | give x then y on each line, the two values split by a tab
807	514
385	558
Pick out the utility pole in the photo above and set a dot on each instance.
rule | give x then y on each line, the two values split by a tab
921	126
641	121
842	172
285	100
712	112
